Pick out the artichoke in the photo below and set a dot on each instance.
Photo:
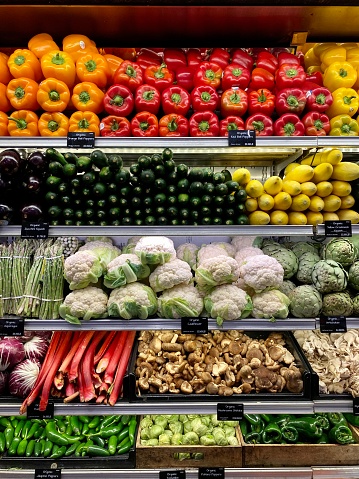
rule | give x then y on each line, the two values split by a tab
306	265
285	257
301	247
328	276
337	304
340	250
355	301
354	275
286	287
305	301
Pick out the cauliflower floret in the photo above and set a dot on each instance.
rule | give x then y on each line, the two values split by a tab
208	251
242	285
262	272
244	253
131	243
134	300
170	274
228	302
104	250
188	252
180	301
81	269
126	268
270	304
228	247
240	242
86	303
215	271
155	250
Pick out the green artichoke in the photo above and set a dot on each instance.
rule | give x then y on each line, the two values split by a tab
328	276
305	301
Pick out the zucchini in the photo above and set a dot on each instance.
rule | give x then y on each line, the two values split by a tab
240	195
207	175
208	188
127	221
217	221
172	212
114	213
112	188
86	192
135	180
218	200
172	177
125	191
69	170
230	213
101	214
63	188
137	214
159	171
135	169
205	211
89	213
160	199
221	189
227	175
170	166
184	213
195	174
122	177
105	174
147	177
160	210
55	168
172	190
88	178
68	213
54	212
194	214
183	185
99	189
136	201
116	223
232	186
90	203
148	211
229	222
147	201
172	200
138	222
156	159
115	162
230	200
195	202
113	200
175	222
218	211
69	222
66	200
53	181
70	157
51	197
123	202
162	221
144	162
206	199
101	204
54	155
183	199
184	222
84	164
242	220
196	188
218	178
99	158
167	154
182	170
206	220
150	220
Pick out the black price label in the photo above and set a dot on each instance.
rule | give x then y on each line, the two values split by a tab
229	412
33	411
194	325
210	472
241	138
333	324
180	474
338	229
12	327
34	230
80	139
356	406
47	473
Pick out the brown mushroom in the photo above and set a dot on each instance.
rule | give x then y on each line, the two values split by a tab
212	388
171	347
246	374
155	345
244	388
186	388
254	352
276	352
190	346
229	378
264	378
224	390
219	368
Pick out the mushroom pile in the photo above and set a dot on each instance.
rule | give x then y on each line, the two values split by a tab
335	358
220	362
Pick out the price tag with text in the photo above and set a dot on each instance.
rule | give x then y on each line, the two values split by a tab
180	474
34	230
229	412
338	229
80	139
47	474
194	325
33	411
333	324
356	406
241	138
211	473
12	327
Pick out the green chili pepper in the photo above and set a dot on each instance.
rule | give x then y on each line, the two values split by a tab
26	429
112	444
267	418
271	433
307	426
39	432
54	435
30	448
289	433
132	430
123	434
21	448
253	419
74	421
94	422
59	453
61	426
37	449
336	418
2	442
19	427
283	418
84	419
124	447
97	451
72	448
109	420
14	422
125	419
324	439
79	449
47	448
12	450
253	438
112	431
9	436
341	434
85	429
34	427
4	422
68	430
98	441
244	427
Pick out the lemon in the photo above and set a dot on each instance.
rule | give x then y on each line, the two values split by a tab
330	216
309	188
347	202
332	203
316	203
292	187
273	185
290	167
259	218
314	218
350	215
251	205
341	188
265	202
254	188
300	202
282	201
242	176
278	217
324	188
297	218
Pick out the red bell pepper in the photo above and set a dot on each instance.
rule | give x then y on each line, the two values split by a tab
129	74
147	98
261	79
315	77
290	76
230	123
184	78
118	100
204	98
288	58
194	57
261	101
234	102
242	58
260	123
144	124
174	58
147	58
115	126
235	75
289	124
176	100
316	124
204	123
319	99
221	56
267	61
173	125
160	77
308	86
208	73
291	100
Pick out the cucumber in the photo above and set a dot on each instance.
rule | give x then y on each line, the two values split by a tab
53	155
99	158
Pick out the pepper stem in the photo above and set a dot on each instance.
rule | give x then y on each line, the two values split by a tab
130	71
117	100
237	72
320	99
159	73
203	125
114	125
91	66
345	129
291	73
172	125
144	125
262	98
53	125
292	101
83	124
343	73
210	74
258	125
289	129
19	92
21	123
348	99
58	59
148	95
54	95
235	98
176	98
84	97
318	124
205	96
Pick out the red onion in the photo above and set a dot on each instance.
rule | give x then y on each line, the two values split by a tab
22	378
36	348
12	351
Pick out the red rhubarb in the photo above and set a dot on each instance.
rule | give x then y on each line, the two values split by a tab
73	372
104	346
87	389
104	361
114	360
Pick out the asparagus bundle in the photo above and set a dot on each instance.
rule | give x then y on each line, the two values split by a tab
22	252
52	281
5	277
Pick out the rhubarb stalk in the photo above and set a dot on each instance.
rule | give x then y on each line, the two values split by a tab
103	363
73	373
87	390
104	346
114	360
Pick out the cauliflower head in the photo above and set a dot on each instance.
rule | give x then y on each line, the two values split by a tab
86	303
328	276
244	253
305	301
285	257
104	250
208	251
228	247
270	304
188	252
262	272
155	250
228	302
215	271
170	274
240	242
134	300
124	269
81	269
180	301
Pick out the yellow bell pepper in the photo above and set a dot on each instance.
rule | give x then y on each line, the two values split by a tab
59	65
310	59
353	57
313	68
331	55
345	101
349	45
319	48
343	125
339	74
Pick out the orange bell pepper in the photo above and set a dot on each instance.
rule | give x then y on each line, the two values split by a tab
113	63
124	53
87	96
5	75
53	124
3	124
41	44
21	93
53	95
77	45
93	67
5	105
23	63
23	123
59	65
85	121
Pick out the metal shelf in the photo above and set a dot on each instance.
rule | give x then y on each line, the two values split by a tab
336	472
333	405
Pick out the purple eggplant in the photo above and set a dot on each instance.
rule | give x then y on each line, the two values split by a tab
5	214
36	162
10	162
31	212
32	184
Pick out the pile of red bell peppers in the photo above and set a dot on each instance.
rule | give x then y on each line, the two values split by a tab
178	92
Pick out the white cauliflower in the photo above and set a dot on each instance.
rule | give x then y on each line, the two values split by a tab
104	250
126	268
134	300
208	251
215	271
170	274
228	247
155	249
245	253
240	242
228	302
241	284
86	303
270	304
188	252
262	272
81	269
131	243
180	301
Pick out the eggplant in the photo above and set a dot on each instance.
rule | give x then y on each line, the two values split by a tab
36	162
31	212
5	214
32	184
10	162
